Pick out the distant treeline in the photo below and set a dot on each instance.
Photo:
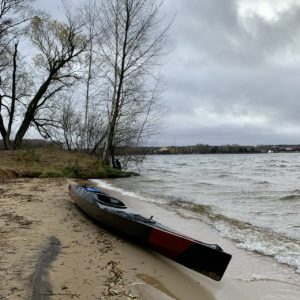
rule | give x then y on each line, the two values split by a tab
208	149
195	149
36	143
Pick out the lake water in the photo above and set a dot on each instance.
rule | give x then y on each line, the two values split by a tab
253	200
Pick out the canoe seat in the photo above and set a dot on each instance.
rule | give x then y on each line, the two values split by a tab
110	201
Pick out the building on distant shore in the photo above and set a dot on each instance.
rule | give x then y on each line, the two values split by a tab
163	150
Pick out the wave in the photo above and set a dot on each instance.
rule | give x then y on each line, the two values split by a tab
158	181
278	161
203	183
224	175
263	182
259	277
283	249
104	184
161	170
291	197
197	208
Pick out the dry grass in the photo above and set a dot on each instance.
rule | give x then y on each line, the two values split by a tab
52	162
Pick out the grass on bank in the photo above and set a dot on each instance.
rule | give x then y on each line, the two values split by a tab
53	162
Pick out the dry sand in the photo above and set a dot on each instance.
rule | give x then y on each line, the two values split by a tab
51	250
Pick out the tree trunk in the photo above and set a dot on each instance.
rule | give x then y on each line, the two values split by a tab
30	112
116	102
13	97
108	146
3	133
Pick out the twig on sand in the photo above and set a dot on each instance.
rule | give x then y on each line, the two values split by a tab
115	285
61	294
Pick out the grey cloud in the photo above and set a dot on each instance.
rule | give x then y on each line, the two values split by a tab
232	66
222	136
215	29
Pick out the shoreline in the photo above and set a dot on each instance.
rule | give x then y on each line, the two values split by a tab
51	250
249	274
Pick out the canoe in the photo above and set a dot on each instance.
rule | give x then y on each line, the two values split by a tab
207	259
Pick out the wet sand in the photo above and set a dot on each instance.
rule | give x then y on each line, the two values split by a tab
51	250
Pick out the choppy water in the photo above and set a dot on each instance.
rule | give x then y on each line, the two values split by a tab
251	199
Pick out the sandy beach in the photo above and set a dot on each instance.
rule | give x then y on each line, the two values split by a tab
51	250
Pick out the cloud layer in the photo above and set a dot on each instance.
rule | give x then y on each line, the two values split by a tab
234	74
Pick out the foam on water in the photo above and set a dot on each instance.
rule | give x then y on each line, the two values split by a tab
252	238
282	249
104	184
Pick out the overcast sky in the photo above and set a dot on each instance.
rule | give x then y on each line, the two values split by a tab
234	74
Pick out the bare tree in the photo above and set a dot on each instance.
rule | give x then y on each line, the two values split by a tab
58	47
89	16
131	43
14	15
71	125
70	122
10	19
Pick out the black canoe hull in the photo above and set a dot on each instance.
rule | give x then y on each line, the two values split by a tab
204	258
